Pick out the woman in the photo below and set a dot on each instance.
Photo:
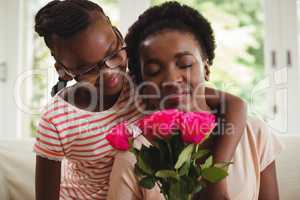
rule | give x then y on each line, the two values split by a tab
171	47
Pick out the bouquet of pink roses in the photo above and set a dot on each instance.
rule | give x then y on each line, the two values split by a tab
172	159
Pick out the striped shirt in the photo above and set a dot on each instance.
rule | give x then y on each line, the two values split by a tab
77	137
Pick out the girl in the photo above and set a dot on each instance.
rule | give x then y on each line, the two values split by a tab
165	45
87	48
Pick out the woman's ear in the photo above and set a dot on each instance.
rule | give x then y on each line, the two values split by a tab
207	70
62	73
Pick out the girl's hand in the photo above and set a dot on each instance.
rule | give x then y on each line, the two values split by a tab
195	103
47	179
216	191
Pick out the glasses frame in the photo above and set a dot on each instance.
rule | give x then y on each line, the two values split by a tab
101	62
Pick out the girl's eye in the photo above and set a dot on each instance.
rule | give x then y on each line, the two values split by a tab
151	69
186	61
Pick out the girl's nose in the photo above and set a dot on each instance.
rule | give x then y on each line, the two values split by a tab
106	73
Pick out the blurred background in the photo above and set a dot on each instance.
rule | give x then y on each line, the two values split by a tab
257	57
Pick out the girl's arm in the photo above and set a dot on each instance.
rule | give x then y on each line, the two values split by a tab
268	184
234	112
47	179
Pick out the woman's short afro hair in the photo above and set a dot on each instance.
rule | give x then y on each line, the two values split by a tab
173	16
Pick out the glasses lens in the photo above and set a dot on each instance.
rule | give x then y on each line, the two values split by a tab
117	59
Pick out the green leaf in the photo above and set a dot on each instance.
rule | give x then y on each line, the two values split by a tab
200	153
197	189
171	159
135	151
188	184
164	153
151	157
167	174
175	191
138	171
147	182
208	163
179	190
185	155
143	166
223	165
195	170
184	170
177	146
214	174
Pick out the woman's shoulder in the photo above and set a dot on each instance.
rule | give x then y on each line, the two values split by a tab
256	124
258	147
265	140
260	129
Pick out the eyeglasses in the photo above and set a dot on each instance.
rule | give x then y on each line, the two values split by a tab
116	59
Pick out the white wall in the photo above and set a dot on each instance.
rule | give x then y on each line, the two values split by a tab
11	15
282	39
3	61
291	45
129	12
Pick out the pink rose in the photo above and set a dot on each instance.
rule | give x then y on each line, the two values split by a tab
196	126
119	137
159	124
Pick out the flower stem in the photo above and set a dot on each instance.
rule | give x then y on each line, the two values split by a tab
197	147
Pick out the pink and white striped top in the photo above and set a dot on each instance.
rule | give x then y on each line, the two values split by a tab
78	138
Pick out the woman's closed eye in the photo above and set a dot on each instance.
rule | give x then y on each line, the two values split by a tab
186	61
151	69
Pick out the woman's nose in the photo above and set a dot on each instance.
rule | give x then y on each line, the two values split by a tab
172	81
173	75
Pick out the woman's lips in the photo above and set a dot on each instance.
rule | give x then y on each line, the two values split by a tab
176	98
113	81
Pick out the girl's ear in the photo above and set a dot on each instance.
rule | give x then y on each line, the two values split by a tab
206	69
62	73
